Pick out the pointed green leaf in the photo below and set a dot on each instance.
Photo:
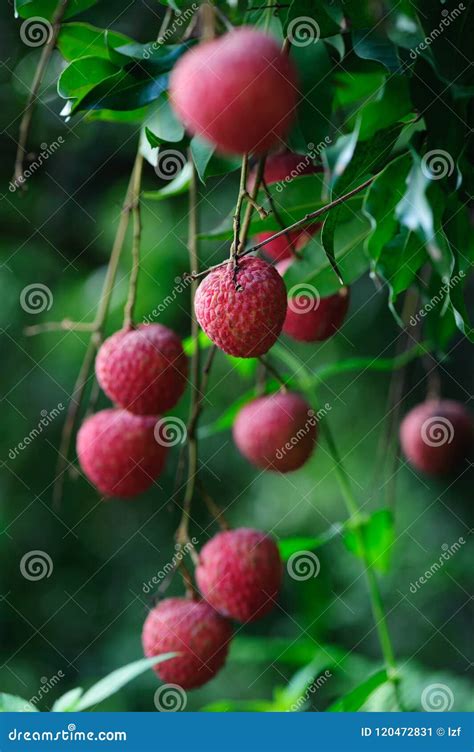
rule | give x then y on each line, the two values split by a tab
354	700
14	704
67	702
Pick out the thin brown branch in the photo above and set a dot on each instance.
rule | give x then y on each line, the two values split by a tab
137	234
27	116
94	343
235	247
253	195
296	225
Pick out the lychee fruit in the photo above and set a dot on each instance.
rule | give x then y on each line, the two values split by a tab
242	312
276	432
118	452
193	629
437	436
143	370
280	168
238	91
310	318
239	573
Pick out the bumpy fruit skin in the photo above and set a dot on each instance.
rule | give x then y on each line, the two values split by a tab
276	432
118	452
192	628
143	370
282	168
246	321
238	91
437	436
239	573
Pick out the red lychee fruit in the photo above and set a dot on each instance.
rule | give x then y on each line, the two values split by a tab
437	436
118	452
143	370
192	628
276	432
281	168
243	313
239	573
238	91
310	318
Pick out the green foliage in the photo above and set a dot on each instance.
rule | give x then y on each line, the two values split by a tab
14	704
378	534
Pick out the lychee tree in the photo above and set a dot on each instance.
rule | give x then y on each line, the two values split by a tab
351	135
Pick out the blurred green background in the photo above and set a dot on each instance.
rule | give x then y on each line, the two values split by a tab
86	618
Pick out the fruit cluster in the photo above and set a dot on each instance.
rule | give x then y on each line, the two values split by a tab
239	92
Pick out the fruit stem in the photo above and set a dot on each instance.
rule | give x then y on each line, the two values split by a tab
234	249
304	379
274	373
137	234
296	225
94	343
279	219
25	124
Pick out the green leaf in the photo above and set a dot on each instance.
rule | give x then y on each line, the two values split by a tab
118	679
312	124
372	45
378	533
46	8
153	56
354	700
123	92
202	152
289	546
77	40
67	702
368	158
371	364
294	696
380	203
82	75
14	704
164	124
175	187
